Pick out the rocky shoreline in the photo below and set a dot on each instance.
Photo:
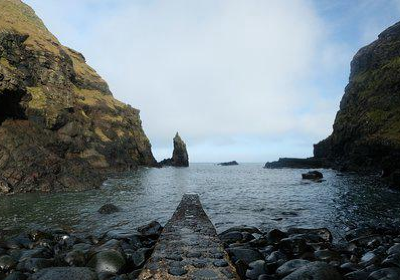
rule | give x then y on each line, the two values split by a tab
366	253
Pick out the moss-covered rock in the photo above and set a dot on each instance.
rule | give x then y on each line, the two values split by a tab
366	132
60	127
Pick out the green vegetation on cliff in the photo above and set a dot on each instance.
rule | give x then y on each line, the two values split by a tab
60	126
367	127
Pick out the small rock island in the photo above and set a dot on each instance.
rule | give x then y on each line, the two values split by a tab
229	163
180	156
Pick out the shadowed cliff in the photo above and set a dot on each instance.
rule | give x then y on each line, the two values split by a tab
366	132
60	127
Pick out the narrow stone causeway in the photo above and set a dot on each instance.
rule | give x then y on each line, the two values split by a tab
189	247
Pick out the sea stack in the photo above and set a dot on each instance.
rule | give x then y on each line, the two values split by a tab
180	157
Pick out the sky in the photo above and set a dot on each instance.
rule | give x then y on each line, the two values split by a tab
245	80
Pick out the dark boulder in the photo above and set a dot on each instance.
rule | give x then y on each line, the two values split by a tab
312	175
108	209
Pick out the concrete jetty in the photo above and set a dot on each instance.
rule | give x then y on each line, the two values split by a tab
189	247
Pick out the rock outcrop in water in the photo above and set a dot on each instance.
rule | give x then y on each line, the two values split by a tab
298	163
366	132
180	156
229	163
60	127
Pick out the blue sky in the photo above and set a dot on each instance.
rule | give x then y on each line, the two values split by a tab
240	80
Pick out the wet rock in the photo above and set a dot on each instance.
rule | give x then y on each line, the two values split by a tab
392	260
276	256
139	257
7	263
255	269
245	255
152	229
315	271
276	235
293	245
392	273
349	267
65	273
107	261
75	258
16	275
290	266
395	249
108	209
231	237
323	233
34	264
312	175
369	258
327	255
4	186
242	229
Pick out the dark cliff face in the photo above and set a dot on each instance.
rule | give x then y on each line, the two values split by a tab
60	126
366	132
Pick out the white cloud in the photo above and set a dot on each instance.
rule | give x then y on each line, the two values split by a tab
209	69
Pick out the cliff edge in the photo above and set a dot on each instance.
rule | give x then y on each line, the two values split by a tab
60	127
366	132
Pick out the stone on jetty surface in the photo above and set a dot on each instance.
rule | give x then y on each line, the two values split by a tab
65	273
180	156
229	163
60	127
312	175
189	247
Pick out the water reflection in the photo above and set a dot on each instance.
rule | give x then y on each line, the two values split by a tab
235	195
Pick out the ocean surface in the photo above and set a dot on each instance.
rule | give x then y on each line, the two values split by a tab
246	194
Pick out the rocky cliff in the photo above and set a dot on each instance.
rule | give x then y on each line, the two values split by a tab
366	132
60	126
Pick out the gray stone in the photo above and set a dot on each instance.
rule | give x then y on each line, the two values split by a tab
255	269
65	273
326	255
395	249
108	209
315	271
139	258
34	264
290	266
75	258
220	263
231	237
391	273
16	275
177	271
7	263
107	261
246	255
153	228
205	274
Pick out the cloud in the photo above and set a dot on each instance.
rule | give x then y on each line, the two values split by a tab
226	74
